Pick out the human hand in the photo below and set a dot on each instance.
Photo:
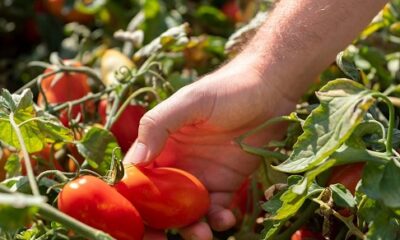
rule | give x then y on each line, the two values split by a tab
195	129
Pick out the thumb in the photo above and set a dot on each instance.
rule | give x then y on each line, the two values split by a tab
185	107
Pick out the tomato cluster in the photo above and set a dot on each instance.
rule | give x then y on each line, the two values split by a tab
151	194
144	195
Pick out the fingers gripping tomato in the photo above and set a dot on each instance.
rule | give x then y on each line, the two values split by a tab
70	86
165	197
125	129
97	204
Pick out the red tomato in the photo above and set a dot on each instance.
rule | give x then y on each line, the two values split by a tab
348	175
304	234
125	129
56	8
97	204
165	197
70	86
232	11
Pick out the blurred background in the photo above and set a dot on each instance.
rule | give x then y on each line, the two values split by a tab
84	29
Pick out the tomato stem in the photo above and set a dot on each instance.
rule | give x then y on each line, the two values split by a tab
27	160
389	138
128	100
114	113
347	221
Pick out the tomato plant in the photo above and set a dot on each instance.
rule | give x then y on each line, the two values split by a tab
97	204
165	197
125	129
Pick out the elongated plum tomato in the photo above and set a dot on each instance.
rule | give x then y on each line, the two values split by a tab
97	204
125	129
165	197
70	86
348	175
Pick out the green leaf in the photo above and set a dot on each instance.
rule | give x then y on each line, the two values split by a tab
98	146
291	202
13	165
16	210
390	184
342	196
271	228
343	106
37	128
274	204
348	67
372	175
14	218
383	228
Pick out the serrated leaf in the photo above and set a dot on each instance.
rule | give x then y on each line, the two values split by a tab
342	196
36	128
343	106
390	184
98	146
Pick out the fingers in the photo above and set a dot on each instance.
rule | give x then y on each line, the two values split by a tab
220	218
197	231
187	106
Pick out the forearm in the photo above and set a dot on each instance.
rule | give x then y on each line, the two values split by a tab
301	38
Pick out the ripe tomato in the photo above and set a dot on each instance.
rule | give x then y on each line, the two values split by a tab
97	204
56	8
165	197
304	234
348	175
125	129
70	86
232	11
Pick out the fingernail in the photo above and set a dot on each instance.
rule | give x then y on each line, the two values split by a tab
136	154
